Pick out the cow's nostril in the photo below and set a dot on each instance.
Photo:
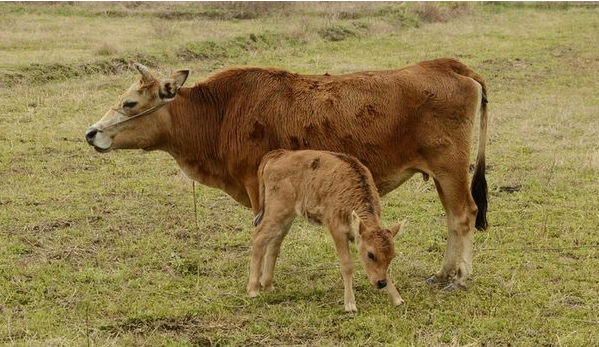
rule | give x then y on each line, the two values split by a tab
90	134
381	284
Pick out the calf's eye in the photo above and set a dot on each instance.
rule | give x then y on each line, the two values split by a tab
370	255
129	104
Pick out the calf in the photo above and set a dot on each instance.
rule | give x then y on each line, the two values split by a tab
330	189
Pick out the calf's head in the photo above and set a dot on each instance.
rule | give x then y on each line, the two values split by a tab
139	120
375	249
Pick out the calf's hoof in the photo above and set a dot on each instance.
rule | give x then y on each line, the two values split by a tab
268	288
351	308
398	302
253	291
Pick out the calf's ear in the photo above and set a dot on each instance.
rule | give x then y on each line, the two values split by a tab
356	223
397	228
170	86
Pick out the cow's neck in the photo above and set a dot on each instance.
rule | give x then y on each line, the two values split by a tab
194	140
195	125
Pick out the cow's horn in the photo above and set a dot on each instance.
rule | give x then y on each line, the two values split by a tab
144	71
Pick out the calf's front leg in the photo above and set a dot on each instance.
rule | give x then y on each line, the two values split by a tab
394	294
345	261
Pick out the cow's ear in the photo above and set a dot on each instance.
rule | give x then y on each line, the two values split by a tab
397	228
170	86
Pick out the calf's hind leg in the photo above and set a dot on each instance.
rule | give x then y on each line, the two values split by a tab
272	253
273	224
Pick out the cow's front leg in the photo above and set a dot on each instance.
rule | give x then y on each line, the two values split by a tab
253	193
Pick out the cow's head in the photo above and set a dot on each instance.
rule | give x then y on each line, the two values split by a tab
375	248
140	119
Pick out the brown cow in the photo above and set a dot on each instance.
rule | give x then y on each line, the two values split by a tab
396	122
330	189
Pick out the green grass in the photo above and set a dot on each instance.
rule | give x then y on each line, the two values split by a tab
103	249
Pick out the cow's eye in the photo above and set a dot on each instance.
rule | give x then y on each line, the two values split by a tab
129	104
370	255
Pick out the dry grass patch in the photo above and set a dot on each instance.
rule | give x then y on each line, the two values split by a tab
104	249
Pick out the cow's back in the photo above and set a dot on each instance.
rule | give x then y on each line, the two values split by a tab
390	120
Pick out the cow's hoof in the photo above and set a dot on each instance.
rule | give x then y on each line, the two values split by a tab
453	287
432	280
268	288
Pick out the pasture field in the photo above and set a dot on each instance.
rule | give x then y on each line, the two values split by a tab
103	250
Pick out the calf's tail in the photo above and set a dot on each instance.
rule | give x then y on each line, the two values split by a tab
270	155
258	217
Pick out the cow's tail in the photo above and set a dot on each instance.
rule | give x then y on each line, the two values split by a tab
479	183
261	189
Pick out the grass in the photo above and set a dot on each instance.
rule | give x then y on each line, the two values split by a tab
103	249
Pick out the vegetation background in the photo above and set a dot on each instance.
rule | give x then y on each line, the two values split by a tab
103	250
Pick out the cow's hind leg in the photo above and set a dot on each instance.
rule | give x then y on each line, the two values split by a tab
461	215
272	253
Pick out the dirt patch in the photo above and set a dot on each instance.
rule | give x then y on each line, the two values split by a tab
55	224
515	69
510	189
505	65
199	327
562	51
50	226
193	267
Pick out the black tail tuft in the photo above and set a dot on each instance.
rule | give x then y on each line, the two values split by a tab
479	194
258	218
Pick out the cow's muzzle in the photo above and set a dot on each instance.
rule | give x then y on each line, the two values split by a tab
90	135
91	138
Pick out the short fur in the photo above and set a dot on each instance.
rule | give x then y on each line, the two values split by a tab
396	122
339	193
